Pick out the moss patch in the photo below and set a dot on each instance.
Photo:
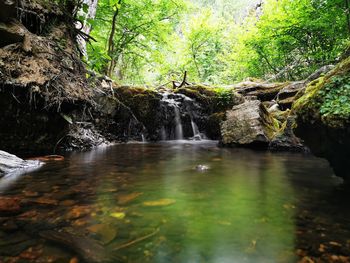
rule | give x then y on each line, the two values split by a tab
327	99
143	102
214	99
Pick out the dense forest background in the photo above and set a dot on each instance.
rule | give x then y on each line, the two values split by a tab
215	41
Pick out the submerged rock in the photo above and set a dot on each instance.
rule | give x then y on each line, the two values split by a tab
202	168
248	124
11	163
105	233
88	249
10	205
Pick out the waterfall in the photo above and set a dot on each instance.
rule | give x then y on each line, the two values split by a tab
178	125
196	133
179	114
143	137
163	134
171	102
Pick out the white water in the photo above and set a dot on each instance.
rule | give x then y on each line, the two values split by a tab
163	135
175	101
178	125
194	128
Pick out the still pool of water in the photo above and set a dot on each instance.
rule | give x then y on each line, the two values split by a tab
175	202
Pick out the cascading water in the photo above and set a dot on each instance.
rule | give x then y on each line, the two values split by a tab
163	135
196	133
172	103
178	125
178	117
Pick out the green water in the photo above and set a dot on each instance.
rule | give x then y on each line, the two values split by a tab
149	203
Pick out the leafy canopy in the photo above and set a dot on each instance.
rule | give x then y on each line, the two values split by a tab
216	41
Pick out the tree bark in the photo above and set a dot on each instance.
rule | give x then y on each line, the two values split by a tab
111	42
86	27
347	11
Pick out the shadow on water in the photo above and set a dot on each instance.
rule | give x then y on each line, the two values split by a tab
156	203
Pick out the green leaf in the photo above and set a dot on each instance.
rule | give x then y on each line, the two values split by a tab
85	8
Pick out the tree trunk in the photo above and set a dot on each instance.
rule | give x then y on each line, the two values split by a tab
111	42
86	27
347	11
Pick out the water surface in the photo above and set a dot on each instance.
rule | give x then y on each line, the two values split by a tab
151	203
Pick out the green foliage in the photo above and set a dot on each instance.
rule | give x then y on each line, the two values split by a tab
327	99
141	28
336	97
225	96
217	41
290	38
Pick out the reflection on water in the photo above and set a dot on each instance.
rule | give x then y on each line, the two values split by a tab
151	203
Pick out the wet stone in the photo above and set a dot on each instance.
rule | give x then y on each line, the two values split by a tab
88	249
16	243
30	193
202	168
45	201
78	211
67	203
9	205
31	253
9	226
105	233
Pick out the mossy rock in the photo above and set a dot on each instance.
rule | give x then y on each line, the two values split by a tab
327	98
203	90
144	103
200	93
141	104
323	117
213	99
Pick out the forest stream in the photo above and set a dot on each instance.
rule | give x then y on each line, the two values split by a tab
187	131
176	201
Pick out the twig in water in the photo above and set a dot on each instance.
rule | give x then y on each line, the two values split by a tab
136	240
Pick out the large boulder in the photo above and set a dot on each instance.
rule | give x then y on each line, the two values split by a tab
323	117
11	163
248	124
